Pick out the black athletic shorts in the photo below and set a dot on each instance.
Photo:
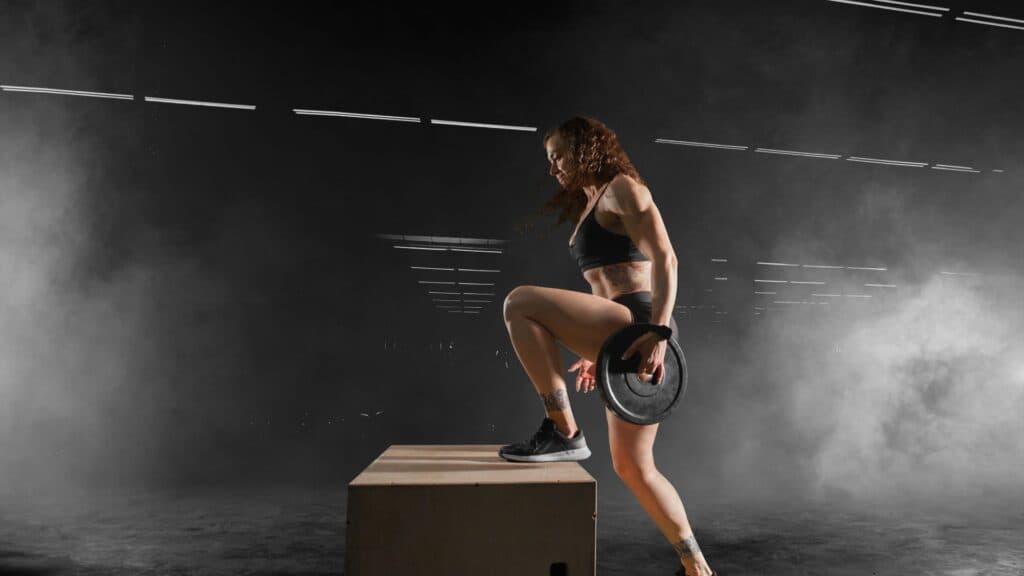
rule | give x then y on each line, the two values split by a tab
640	304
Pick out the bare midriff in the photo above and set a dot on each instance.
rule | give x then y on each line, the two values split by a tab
613	280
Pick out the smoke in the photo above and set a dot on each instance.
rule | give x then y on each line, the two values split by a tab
914	395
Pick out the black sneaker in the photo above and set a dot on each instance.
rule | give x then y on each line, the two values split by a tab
547	445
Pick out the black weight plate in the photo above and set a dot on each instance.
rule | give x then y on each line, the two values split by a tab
625	393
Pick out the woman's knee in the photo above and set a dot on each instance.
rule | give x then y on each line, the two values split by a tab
515	300
630	469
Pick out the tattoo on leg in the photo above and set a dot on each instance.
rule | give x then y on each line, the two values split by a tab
556	401
687	548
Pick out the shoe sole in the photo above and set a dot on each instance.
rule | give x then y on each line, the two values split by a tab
565	455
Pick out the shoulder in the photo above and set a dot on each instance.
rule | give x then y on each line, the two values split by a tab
627	196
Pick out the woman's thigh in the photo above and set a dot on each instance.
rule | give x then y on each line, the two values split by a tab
580	321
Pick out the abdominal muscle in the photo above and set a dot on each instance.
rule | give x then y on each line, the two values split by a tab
614	280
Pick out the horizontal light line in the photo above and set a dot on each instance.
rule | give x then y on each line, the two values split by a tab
447	306
989	23
476	270
434	282
479	125
993	16
721	277
891	162
885	7
701	144
447	300
199	103
777	264
765	293
478	294
959	273
1000	171
476	283
472	307
954	169
858	295
758	307
822	267
772	281
443	293
304	112
953	166
479	301
463	312
925	6
865	268
806	282
476	250
787	302
37	90
719	260
881	285
828	295
421	248
429	268
794	153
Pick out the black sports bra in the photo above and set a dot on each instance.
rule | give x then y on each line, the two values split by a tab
595	246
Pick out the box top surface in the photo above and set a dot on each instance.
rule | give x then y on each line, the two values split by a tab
434	464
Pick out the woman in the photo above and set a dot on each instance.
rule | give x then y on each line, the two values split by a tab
623	251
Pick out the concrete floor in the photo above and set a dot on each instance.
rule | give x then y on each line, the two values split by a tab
295	531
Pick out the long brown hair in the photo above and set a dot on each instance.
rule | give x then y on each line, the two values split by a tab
596	154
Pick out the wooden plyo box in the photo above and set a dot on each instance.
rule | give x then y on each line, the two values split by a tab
463	510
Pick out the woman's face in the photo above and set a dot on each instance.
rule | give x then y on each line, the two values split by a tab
561	164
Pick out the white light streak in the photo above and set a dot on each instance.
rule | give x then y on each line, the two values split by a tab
959	273
429	268
822	267
476	283
305	112
480	125
993	16
477	250
479	301
421	248
719	260
806	282
828	295
997	170
434	282
858	295
701	144
721	278
940	167
447	300
989	23
795	153
200	103
887	162
925	6
472	307
478	294
476	270
771	281
443	293
38	90
881	285
777	264
953	166
765	293
865	268
886	7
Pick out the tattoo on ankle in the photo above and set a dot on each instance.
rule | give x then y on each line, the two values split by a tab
687	548
557	400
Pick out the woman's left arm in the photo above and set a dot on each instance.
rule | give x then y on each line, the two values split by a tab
635	206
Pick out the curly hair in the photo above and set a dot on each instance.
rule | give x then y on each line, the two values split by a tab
597	155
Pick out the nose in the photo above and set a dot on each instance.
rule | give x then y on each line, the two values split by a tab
553	170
